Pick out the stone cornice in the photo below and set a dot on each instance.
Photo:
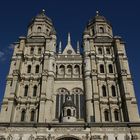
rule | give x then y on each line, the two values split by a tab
68	125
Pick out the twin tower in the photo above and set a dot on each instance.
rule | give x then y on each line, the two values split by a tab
49	85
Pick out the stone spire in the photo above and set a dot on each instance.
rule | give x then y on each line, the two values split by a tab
69	49
69	39
60	47
78	47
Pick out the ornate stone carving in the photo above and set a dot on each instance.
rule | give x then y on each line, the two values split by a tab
31	137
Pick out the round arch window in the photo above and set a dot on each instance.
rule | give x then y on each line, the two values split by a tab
69	51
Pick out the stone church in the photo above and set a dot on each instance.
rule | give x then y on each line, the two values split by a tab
56	94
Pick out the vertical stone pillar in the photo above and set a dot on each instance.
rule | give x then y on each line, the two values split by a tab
89	104
126	85
43	98
87	78
96	99
10	111
49	101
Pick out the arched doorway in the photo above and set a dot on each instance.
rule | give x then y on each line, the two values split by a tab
67	138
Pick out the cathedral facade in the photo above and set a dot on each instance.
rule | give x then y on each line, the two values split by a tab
55	94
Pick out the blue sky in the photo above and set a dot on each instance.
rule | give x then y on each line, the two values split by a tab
70	16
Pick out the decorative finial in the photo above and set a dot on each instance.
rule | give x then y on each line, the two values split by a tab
69	38
60	48
97	13
78	47
43	10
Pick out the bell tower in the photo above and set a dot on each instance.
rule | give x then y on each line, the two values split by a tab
40	26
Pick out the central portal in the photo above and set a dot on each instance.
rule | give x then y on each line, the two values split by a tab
68	138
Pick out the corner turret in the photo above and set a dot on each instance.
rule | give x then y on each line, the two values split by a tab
41	26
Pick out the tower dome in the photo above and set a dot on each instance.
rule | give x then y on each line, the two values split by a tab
99	26
41	26
68	110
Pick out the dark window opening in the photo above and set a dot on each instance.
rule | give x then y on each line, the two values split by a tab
113	91
32	51
106	115
102	69
39	29
116	115
39	50
101	30
100	51
29	69
104	91
26	91
37	69
107	51
68	112
110	68
35	91
23	115
32	116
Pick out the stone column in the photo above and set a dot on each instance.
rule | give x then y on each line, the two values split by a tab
88	95
49	101
125	82
43	98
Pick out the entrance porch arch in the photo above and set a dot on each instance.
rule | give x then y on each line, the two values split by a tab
68	138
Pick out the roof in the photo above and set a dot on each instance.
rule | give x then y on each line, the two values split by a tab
98	18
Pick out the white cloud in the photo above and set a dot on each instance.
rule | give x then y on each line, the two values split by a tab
11	46
1	54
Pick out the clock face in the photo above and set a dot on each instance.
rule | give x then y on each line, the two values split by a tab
69	51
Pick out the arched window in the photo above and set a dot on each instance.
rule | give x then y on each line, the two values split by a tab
39	50
23	113
32	50
68	112
26	90
101	30
104	91
35	90
106	115
107	51
32	115
62	69
77	69
110	68
29	69
102	69
93	31
100	51
113	90
116	115
38	29
37	69
69	69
